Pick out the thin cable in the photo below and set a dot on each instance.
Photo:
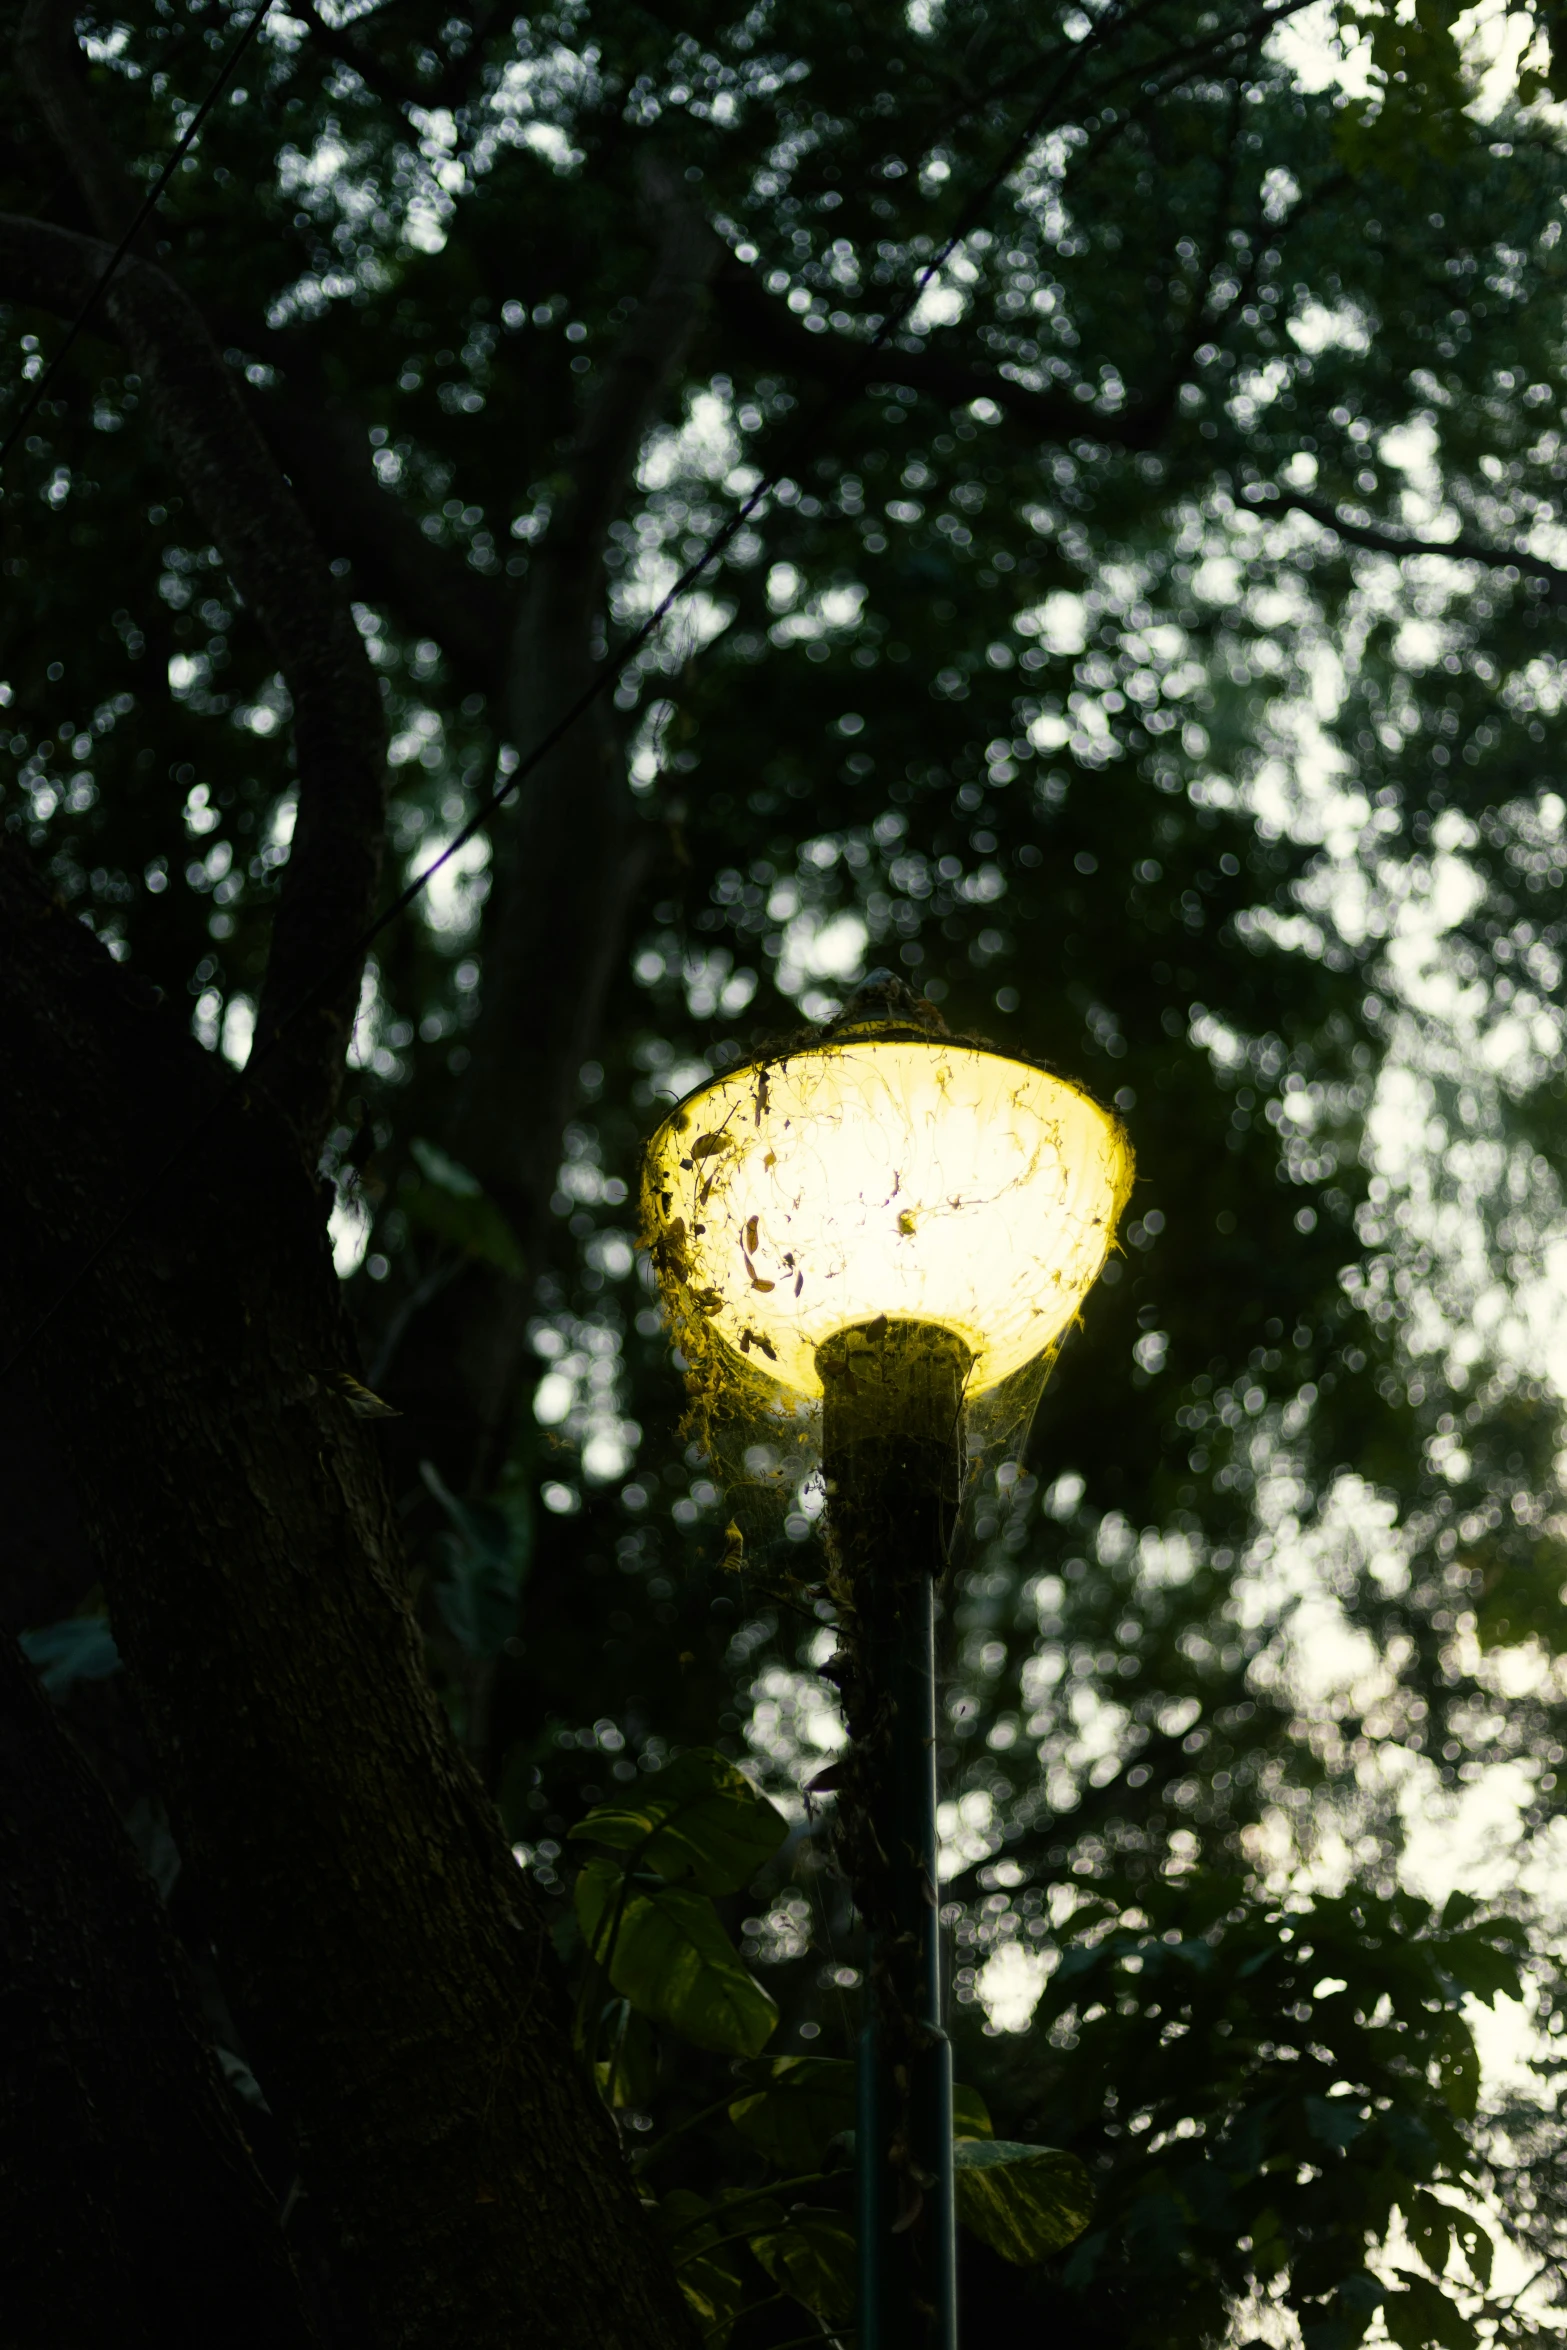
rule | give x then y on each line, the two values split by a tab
148	206
607	675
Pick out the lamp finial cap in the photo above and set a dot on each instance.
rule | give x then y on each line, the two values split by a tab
882	1001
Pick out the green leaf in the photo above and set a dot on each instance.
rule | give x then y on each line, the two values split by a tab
627	2072
78	1648
1457	2063
455	1206
672	1959
1430	2225
699	1817
1419	2316
970	2113
1486	1959
1434	2227
595	1899
804	2102
488	1555
1025	2202
812	2257
1332	2121
808	2101
1477	2247
708	2272
1522	1592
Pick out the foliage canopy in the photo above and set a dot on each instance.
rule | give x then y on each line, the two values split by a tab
1095	665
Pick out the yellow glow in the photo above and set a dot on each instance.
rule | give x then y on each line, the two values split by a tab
918	1179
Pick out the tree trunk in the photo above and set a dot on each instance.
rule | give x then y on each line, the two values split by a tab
112	2110
379	1946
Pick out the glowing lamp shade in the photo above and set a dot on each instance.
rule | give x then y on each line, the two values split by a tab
925	1180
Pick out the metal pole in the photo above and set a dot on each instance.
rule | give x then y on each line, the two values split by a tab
892	1456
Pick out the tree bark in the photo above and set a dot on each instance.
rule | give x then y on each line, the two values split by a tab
112	2110
378	1944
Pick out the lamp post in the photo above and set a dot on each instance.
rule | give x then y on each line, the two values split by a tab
876	1241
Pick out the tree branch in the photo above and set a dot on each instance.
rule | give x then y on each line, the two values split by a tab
324	448
843	364
433	592
1378	541
840	362
278	568
380	78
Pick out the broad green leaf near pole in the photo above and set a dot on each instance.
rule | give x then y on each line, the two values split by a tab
812	2256
698	1817
675	1964
708	2268
1025	2202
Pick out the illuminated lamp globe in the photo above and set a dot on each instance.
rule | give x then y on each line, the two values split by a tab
882	1173
881	1236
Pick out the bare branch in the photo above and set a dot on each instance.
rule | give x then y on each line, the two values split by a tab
1378	541
50	64
430	589
838	361
843	365
324	448
235	485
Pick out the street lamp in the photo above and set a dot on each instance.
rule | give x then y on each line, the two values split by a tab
876	1240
